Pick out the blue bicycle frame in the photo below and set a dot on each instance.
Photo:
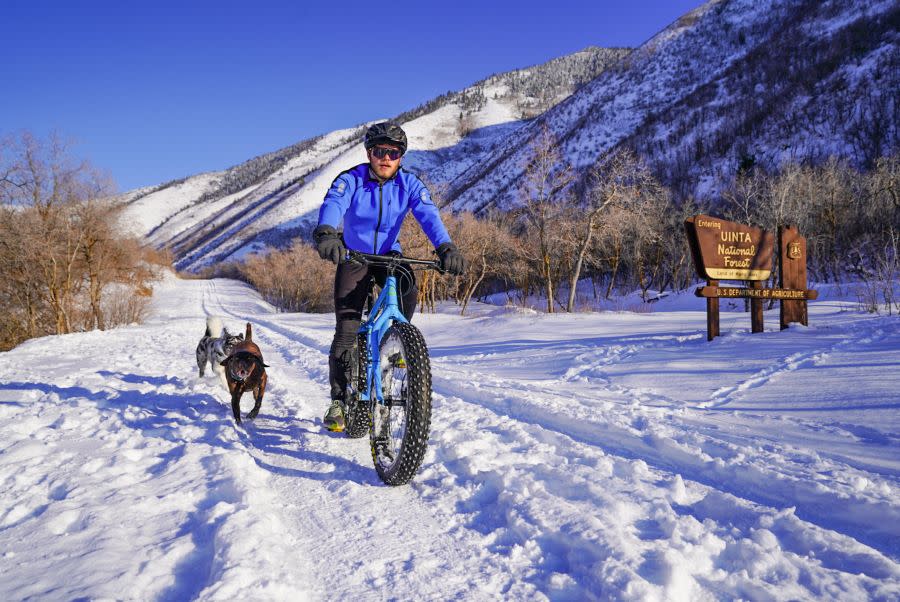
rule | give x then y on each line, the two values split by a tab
385	311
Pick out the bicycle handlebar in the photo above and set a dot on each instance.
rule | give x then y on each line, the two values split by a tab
391	260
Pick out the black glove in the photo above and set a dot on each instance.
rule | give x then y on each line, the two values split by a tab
329	243
452	260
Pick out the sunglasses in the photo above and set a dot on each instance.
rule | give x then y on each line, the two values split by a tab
380	152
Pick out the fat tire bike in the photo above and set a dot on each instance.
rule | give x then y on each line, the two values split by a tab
389	385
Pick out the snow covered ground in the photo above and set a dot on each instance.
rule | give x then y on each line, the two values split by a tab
589	456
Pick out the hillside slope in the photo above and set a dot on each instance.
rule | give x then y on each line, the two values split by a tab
733	82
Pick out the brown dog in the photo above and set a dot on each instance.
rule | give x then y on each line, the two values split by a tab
245	371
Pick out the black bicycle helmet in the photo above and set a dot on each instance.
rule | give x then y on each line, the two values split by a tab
386	133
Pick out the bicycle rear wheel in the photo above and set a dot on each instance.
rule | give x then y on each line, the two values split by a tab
399	431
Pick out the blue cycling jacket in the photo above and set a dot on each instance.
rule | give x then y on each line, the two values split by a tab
373	211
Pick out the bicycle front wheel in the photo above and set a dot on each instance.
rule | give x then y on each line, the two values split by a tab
399	428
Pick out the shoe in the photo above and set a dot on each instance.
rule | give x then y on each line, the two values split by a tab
334	417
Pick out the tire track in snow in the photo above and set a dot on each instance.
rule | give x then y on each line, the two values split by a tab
796	361
632	431
608	512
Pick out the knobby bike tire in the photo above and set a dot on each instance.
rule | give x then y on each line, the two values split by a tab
359	415
400	469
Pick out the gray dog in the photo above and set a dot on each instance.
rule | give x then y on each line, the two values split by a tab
215	346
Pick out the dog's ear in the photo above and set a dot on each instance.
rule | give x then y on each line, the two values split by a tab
249	335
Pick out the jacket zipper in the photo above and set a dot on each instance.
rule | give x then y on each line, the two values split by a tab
378	225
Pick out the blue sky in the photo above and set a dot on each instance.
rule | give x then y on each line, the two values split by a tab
152	91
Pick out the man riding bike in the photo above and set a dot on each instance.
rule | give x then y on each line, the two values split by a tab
372	199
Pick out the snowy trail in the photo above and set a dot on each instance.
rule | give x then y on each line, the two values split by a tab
590	456
348	508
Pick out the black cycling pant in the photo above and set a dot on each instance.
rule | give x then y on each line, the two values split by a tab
352	283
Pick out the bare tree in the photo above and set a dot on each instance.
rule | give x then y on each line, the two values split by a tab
26	315
291	279
57	185
543	189
743	197
465	125
628	210
58	246
488	249
613	181
107	256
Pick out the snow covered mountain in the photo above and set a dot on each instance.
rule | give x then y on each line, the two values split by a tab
732	84
271	199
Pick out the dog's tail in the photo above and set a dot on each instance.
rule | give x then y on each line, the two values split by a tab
214	326
249	334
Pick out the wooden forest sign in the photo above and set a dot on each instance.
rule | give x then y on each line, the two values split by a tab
730	251
724	250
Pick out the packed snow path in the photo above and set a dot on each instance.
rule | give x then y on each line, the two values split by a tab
589	456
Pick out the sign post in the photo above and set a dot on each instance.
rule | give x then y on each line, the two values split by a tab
792	272
712	313
756	308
